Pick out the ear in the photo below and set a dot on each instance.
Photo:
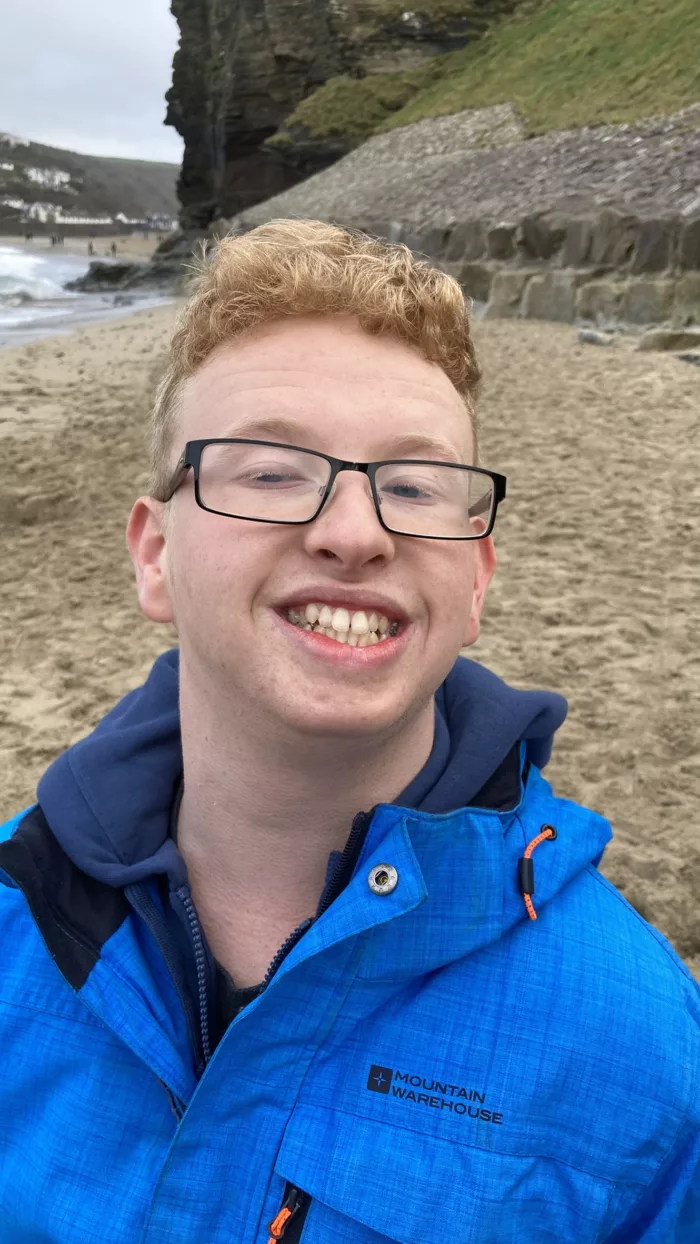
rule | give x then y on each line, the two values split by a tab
484	567
145	535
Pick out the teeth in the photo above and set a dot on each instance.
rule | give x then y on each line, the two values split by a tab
358	629
341	620
359	624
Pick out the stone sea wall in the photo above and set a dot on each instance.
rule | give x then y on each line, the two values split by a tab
609	269
599	225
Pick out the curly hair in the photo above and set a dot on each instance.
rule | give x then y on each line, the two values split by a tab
305	267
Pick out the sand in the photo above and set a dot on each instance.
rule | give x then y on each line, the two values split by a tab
596	595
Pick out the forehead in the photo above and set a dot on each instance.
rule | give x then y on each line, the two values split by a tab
325	380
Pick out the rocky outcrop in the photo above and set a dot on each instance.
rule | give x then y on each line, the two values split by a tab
244	67
599	227
106	276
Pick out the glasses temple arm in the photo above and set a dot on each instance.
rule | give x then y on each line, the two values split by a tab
480	507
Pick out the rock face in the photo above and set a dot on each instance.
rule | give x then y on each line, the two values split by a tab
240	67
243	67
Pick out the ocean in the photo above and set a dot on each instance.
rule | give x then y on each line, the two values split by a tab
34	304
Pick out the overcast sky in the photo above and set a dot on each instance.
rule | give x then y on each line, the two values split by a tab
89	75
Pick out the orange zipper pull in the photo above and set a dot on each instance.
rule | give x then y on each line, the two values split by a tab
279	1225
526	869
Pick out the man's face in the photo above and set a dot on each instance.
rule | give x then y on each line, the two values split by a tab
226	583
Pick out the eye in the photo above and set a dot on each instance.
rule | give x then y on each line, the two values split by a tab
273	479
414	489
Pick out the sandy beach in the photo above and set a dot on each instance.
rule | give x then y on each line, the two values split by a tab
596	595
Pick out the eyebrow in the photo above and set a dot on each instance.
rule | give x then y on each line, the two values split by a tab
288	429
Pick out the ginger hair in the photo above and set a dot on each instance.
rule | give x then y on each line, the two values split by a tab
307	267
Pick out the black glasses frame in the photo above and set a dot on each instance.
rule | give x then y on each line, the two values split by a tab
192	456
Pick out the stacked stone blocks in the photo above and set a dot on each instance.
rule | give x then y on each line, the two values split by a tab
608	268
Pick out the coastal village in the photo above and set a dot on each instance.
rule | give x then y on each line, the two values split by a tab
49	197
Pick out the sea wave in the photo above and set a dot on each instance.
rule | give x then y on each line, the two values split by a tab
34	303
29	277
16	290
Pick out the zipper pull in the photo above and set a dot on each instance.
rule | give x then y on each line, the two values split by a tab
292	1203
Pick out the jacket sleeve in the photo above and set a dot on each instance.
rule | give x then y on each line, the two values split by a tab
668	1211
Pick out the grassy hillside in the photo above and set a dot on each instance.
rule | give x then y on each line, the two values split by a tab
564	63
88	184
568	63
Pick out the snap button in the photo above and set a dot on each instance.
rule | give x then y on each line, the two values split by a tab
383	878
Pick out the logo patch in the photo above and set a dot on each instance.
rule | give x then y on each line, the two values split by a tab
436	1094
379	1079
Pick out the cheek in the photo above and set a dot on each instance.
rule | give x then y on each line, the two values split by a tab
451	579
202	569
218	568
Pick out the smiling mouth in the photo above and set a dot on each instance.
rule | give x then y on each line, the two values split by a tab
357	628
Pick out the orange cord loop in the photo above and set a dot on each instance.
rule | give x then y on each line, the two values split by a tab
278	1225
527	889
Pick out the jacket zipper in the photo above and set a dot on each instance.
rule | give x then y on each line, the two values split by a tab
358	830
142	902
288	1223
200	960
356	836
284	950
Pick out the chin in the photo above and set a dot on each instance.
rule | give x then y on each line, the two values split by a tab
340	720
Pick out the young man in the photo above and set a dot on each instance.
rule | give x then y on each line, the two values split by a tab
276	965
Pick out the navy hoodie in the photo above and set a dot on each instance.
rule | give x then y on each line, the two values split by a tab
111	801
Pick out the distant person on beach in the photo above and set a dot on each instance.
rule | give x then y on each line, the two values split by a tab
113	250
90	249
300	944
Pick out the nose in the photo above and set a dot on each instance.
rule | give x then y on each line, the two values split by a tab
347	529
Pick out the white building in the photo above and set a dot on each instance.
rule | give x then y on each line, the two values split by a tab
52	178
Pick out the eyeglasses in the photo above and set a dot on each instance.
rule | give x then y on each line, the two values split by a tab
268	482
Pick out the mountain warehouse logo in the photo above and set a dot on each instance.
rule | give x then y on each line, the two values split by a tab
435	1094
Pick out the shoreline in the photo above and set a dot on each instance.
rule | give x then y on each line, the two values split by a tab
131	248
93	310
35	303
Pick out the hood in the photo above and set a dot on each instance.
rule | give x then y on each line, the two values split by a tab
108	799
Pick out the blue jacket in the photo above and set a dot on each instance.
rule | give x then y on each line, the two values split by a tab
427	1065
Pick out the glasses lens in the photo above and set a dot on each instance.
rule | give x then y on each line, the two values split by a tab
428	499
263	482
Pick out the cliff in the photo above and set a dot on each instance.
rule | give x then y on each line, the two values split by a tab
246	94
